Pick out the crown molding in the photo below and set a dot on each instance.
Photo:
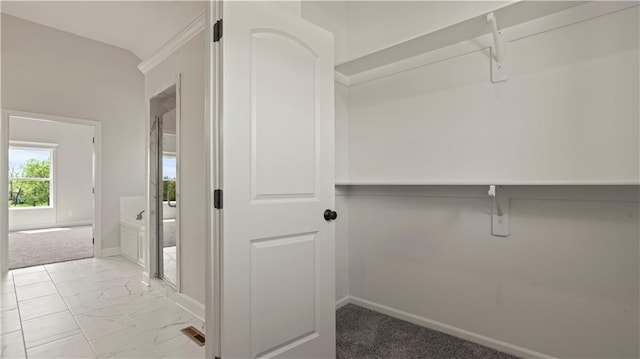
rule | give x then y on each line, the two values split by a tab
181	38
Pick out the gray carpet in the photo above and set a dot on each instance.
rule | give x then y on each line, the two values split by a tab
363	333
26	250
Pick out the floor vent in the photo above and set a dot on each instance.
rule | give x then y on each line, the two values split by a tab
194	334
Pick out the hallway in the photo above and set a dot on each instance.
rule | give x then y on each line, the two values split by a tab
91	308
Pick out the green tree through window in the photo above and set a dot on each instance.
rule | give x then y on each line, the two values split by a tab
169	190
169	177
29	178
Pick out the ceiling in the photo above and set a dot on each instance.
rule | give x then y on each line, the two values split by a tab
141	27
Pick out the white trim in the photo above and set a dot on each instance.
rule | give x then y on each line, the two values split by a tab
190	305
448	329
152	265
45	226
183	301
212	90
146	279
53	171
33	145
110	252
74	224
179	174
41	208
4	195
181	38
540	25
97	176
343	301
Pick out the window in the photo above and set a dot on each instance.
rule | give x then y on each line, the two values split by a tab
30	176
169	178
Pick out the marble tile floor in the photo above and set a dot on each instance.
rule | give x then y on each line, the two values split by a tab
90	308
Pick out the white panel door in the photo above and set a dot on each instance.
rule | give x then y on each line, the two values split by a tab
278	167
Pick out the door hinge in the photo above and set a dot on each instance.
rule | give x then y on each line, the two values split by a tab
93	140
217	31
93	190
93	240
217	199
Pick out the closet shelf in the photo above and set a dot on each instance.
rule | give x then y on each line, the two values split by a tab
402	55
488	183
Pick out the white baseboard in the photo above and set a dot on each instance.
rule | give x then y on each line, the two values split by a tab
181	300
444	328
156	284
74	224
110	252
342	302
146	279
190	305
29	227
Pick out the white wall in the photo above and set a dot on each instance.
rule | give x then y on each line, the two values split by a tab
342	202
73	173
52	72
342	132
342	239
566	282
188	61
332	16
568	113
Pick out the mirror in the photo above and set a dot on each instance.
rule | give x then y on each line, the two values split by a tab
164	223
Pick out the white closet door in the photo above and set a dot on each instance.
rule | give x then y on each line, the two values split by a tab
278	268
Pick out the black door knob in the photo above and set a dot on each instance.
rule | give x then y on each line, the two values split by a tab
330	215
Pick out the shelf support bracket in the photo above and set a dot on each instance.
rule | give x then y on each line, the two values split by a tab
498	52
499	213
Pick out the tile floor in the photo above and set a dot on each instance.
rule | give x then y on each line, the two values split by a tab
90	308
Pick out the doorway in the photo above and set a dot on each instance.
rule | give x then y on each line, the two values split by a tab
51	193
164	184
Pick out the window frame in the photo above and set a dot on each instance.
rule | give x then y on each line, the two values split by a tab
37	146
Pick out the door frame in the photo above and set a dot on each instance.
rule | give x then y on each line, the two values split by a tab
4	163
153	265
213	178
